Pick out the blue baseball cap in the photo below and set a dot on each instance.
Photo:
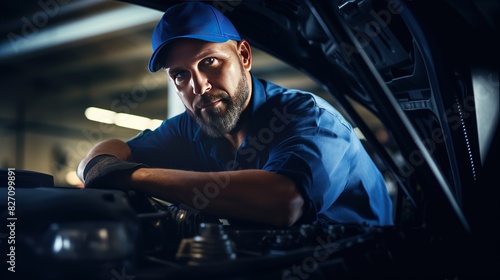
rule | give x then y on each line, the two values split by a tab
195	20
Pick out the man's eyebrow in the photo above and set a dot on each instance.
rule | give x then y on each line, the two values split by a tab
196	57
171	70
206	53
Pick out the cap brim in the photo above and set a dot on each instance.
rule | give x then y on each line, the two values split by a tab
157	60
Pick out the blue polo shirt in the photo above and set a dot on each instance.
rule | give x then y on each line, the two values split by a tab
293	133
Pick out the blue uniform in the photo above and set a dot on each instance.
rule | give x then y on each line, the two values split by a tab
293	133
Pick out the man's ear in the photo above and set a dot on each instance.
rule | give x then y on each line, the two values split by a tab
245	54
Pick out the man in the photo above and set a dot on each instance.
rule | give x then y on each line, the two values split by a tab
244	149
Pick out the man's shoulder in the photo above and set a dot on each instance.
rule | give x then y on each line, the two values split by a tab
293	99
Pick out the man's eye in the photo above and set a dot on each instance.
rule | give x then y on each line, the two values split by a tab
180	75
209	61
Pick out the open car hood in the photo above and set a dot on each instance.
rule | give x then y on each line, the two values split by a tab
424	75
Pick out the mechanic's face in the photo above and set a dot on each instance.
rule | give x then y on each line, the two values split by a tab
212	80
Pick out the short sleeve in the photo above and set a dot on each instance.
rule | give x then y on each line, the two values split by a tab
314	157
168	146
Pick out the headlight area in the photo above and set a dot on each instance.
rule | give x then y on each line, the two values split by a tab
71	233
90	241
86	249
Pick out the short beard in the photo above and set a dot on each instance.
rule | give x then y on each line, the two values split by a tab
216	125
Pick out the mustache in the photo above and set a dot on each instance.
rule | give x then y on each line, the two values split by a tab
207	99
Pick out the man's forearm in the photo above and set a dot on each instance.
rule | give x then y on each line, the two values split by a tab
254	195
113	147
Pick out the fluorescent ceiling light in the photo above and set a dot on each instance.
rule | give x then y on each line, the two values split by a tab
100	115
46	37
121	119
131	121
359	133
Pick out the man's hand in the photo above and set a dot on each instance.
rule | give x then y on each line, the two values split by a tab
107	171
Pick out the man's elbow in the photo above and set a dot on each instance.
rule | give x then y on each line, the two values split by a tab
290	210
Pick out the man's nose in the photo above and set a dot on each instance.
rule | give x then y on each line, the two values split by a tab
200	83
